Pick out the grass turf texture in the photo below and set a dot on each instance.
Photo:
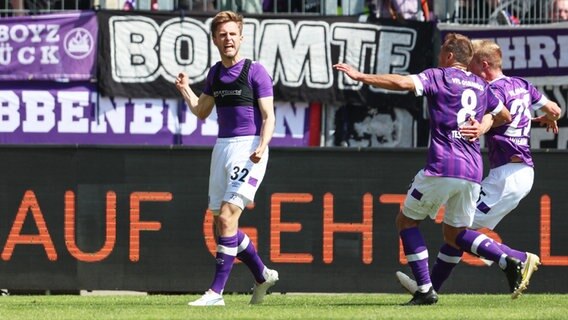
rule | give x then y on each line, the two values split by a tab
288	306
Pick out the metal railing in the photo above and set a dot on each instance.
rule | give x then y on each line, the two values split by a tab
32	7
509	12
476	12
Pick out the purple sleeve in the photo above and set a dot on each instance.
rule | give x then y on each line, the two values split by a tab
261	81
425	82
209	80
536	96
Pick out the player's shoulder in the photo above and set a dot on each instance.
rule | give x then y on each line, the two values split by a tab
257	66
526	83
508	82
216	66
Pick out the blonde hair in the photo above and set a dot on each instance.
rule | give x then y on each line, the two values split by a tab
487	50
224	17
460	46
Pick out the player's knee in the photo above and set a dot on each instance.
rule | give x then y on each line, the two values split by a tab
403	222
224	222
450	234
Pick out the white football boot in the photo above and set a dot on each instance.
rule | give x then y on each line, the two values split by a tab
209	299
259	290
406	282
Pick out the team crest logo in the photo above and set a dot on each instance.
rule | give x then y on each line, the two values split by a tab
78	43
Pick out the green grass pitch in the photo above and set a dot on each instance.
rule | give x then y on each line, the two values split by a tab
284	306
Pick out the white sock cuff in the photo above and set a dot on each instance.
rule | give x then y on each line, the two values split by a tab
449	259
417	256
477	241
244	244
230	251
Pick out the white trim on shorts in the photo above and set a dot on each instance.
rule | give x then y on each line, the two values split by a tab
427	194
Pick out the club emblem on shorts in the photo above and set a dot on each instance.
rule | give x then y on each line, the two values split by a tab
253	181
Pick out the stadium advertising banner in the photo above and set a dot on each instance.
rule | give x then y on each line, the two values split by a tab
136	219
74	113
59	47
141	55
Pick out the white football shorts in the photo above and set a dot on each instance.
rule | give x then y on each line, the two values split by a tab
501	191
427	194
233	177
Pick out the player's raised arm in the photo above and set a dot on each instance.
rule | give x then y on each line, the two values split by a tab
200	106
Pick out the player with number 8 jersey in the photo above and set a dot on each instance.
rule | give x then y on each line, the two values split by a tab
454	167
455	96
511	175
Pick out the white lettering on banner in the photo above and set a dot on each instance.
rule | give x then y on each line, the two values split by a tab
540	50
73	105
211	126
26	55
352	41
40	106
391	53
562	51
539	135
20	33
174	122
9	115
293	116
37	111
136	40
109	113
147	116
48	55
294	54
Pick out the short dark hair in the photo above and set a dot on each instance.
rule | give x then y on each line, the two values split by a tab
460	46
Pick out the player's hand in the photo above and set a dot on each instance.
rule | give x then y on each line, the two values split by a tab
471	130
348	70
256	155
182	81
544	121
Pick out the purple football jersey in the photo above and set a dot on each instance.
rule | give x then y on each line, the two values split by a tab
238	121
454	95
513	139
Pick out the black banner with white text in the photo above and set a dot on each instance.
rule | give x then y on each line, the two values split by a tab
144	54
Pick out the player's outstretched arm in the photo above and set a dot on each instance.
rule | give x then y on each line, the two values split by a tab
200	106
386	81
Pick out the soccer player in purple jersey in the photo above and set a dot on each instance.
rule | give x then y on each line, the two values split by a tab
243	93
454	167
511	175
